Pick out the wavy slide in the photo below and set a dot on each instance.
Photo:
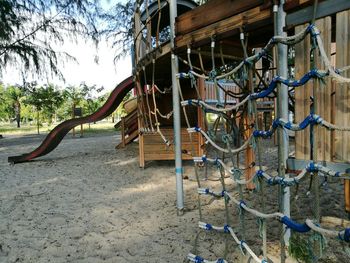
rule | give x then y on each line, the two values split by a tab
57	134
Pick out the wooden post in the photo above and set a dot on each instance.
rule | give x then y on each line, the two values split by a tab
123	132
302	96
324	94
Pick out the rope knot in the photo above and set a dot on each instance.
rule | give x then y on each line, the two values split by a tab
311	167
259	173
208	227
242	203
212	74
226	228
344	235
197	129
241	245
198	259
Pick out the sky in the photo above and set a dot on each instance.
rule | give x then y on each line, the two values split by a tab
105	73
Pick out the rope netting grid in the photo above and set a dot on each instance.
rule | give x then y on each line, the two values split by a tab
261	177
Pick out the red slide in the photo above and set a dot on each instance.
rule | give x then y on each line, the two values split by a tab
57	134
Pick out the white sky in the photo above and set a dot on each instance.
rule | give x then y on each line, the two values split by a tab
105	73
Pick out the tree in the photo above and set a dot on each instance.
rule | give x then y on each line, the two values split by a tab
29	28
119	27
14	96
45	98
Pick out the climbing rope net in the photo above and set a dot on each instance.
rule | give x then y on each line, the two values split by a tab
242	73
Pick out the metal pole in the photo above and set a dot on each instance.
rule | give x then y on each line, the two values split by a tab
176	112
282	104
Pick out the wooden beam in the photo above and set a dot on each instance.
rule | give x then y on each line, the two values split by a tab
212	12
229	26
325	8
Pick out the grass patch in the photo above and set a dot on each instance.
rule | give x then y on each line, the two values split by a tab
25	129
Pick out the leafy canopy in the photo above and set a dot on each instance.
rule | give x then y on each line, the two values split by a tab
29	28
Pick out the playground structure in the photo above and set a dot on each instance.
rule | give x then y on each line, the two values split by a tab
229	58
244	44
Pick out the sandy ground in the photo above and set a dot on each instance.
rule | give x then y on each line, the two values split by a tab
87	202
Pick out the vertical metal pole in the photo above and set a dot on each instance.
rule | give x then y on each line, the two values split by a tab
176	114
282	104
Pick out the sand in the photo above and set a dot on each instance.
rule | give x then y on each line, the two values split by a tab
87	202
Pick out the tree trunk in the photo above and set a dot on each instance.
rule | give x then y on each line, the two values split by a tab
37	121
17	106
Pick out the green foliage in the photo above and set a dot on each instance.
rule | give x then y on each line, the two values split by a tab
301	247
28	28
119	27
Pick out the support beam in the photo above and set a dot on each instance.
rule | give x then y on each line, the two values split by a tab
282	104
176	112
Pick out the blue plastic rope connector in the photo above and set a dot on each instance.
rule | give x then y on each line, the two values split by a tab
241	203
208	227
317	119
337	174
226	229
270	181
223	193
282	182
301	228
241	244
344	235
212	74
189	102
259	173
220	260
216	161
264	261
198	259
207	190
204	158
256	133
304	123
310	28
311	167
182	75
275	123
197	129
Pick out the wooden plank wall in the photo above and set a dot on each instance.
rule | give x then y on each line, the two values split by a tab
332	100
323	95
342	91
302	96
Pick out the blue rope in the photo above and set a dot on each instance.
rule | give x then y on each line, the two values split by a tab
259	173
226	229
208	227
301	228
344	235
311	167
198	259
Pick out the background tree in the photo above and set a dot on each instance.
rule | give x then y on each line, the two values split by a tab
14	96
119	27
45	98
29	28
